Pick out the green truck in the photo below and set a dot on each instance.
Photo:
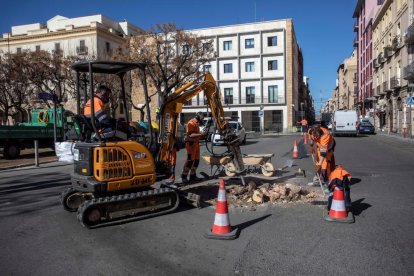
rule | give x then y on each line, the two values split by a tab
22	135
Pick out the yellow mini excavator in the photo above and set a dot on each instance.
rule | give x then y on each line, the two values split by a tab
113	178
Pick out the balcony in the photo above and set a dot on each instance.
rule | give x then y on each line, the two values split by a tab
387	52
376	63
397	43
409	71
395	83
409	34
356	26
251	100
380	58
82	50
356	42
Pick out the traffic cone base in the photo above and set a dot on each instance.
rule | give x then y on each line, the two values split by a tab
348	219
221	229
305	139
338	210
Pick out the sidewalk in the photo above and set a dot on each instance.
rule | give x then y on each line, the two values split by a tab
27	159
396	136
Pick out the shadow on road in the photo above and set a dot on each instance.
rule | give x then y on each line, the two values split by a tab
355	181
246	224
358	206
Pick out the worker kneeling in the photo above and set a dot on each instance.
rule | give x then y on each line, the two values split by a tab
339	201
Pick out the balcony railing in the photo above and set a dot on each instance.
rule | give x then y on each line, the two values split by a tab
376	62
381	58
387	52
409	72
251	100
356	26
409	34
82	50
397	43
276	100
395	82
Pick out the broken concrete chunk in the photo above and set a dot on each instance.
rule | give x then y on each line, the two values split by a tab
257	196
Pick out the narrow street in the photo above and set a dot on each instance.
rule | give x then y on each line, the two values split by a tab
275	239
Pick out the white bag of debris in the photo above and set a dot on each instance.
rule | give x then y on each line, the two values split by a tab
64	151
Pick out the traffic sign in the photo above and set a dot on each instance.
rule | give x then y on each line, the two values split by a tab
409	101
261	113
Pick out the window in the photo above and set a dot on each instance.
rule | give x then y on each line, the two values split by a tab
207	68
249	43
186	50
37	48
228	68
272	65
108	47
249	67
227	45
82	43
19	50
250	94
272	41
228	95
272	93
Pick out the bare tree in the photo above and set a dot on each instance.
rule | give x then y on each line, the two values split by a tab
15	88
172	56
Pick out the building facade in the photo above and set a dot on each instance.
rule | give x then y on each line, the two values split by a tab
345	92
390	58
257	68
364	13
408	71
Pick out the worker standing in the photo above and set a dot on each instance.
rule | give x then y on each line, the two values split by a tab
192	146
304	124
325	162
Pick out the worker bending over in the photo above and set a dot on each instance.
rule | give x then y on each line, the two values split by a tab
192	146
325	161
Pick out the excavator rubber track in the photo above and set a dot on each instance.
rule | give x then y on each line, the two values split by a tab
117	209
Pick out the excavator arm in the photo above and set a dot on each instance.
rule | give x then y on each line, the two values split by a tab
173	106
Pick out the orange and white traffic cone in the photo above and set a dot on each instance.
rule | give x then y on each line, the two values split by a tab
221	228
305	139
338	211
295	153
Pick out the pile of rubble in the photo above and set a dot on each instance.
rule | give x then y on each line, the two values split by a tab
252	194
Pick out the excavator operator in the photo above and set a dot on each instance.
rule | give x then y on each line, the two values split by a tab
192	145
102	95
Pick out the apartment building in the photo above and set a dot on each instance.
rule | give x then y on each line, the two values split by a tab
364	13
257	68
346	90
88	37
390	58
408	71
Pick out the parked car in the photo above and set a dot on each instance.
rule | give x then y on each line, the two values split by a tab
366	127
345	122
240	132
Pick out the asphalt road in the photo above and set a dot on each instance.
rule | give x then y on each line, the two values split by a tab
39	238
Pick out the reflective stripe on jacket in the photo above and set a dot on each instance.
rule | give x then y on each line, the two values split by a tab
100	113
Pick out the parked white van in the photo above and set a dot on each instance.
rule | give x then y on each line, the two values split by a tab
345	122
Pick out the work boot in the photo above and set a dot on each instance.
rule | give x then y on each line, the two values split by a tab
193	178
170	180
184	178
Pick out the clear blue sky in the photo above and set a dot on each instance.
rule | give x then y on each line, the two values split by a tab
324	28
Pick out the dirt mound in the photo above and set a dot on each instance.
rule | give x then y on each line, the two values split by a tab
276	193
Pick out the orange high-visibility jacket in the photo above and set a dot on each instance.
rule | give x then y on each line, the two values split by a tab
338	176
193	127
325	142
304	122
100	113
